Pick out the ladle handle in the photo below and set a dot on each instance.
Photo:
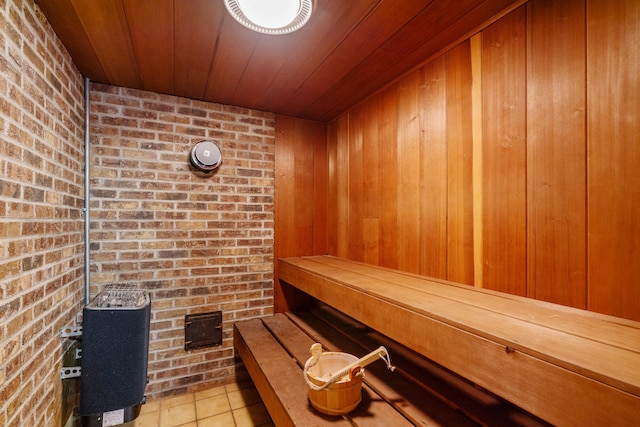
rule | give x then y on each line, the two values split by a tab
380	352
316	351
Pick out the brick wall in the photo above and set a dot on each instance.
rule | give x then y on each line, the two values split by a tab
41	223
199	242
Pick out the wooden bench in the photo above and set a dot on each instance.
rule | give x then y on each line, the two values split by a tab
418	392
566	366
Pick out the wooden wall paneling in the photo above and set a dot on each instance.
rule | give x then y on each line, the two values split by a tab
459	168
299	188
504	204
388	141
364	197
357	192
433	170
476	126
332	187
341	187
613	53
284	194
371	235
320	189
538	47
556	152
303	231
371	176
408	170
284	201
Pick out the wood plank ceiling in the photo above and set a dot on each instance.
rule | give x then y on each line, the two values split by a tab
193	48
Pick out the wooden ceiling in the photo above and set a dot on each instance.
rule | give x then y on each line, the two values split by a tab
193	48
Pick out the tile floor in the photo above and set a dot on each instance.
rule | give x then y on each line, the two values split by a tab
231	405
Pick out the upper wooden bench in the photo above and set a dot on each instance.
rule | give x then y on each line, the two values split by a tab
564	365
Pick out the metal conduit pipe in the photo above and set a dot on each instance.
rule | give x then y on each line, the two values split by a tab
87	217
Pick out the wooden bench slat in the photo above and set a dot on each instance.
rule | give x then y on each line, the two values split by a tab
584	388
277	378
292	338
372	411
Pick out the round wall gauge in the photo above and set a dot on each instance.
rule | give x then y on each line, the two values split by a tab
206	156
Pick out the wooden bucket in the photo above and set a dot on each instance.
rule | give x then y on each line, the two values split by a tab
340	397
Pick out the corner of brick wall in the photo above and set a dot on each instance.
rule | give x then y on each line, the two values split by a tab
199	242
41	222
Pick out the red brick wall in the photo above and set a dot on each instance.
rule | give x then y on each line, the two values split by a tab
41	222
198	242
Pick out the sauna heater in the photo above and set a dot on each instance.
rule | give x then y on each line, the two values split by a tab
115	347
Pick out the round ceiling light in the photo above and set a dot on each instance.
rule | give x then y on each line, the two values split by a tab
271	16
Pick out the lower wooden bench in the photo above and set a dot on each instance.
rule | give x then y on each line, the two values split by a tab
275	348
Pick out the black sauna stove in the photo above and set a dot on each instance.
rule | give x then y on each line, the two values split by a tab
115	347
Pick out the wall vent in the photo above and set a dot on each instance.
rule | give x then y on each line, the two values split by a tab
202	330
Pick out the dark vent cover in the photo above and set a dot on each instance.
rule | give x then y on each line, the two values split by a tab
202	330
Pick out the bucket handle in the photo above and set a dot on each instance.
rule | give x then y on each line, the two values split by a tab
316	351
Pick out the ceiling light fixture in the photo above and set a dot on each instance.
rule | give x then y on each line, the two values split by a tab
270	16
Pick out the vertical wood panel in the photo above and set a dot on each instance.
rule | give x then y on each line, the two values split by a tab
302	230
284	202
341	176
357	190
285	195
477	126
433	170
332	187
556	151
371	181
320	189
613	51
408	170
504	154
460	149
388	129
300	192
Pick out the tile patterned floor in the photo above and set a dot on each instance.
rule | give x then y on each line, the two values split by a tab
231	405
